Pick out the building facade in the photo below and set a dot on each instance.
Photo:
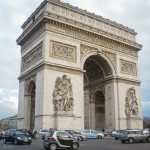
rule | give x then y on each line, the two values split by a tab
78	71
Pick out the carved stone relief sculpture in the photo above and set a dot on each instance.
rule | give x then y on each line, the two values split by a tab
131	105
128	67
63	51
32	56
62	95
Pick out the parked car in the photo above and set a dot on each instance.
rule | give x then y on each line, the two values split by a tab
60	139
77	135
118	134
16	137
114	132
42	132
146	131
92	134
131	136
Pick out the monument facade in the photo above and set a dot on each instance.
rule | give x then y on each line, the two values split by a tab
78	71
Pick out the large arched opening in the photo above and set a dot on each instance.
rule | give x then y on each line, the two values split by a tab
97	73
30	105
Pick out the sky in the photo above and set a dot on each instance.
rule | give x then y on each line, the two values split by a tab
13	13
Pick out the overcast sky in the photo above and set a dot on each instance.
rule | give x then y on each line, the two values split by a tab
132	13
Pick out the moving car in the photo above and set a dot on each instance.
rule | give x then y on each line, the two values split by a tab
16	137
92	134
77	135
60	139
131	136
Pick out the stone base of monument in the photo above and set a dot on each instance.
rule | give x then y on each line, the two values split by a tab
64	120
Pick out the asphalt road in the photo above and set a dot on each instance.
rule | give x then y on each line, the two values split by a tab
90	144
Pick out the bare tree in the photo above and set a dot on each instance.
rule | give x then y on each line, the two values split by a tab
146	122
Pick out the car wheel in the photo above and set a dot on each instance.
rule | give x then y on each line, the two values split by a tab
15	142
53	146
29	143
148	139
130	140
75	146
116	138
99	137
4	141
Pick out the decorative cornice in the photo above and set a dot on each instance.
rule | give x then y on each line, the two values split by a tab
76	10
48	11
95	38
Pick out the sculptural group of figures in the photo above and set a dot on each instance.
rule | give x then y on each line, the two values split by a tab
63	95
131	106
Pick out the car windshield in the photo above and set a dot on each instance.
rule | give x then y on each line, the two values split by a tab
126	132
18	132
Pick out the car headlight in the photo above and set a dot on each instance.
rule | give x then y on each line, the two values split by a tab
19	138
29	138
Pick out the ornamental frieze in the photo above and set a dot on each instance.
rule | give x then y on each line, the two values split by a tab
63	51
131	105
89	37
32	56
128	67
63	95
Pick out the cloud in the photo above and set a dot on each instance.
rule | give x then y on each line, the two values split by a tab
146	107
134	14
8	102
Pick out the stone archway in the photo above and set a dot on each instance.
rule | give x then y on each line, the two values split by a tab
79	45
30	104
97	71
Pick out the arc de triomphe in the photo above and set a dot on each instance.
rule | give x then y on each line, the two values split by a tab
78	71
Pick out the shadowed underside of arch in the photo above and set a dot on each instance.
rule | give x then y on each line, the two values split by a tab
96	68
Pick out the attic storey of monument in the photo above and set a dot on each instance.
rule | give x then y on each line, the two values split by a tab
83	68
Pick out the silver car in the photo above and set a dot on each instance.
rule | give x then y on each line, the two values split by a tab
131	136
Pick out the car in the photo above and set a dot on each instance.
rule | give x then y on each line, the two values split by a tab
131	136
114	132
118	134
16	137
146	131
60	139
77	135
93	134
42	132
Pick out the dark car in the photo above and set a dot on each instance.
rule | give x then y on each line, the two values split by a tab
16	137
60	139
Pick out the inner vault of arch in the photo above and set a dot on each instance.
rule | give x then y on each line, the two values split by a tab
97	70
